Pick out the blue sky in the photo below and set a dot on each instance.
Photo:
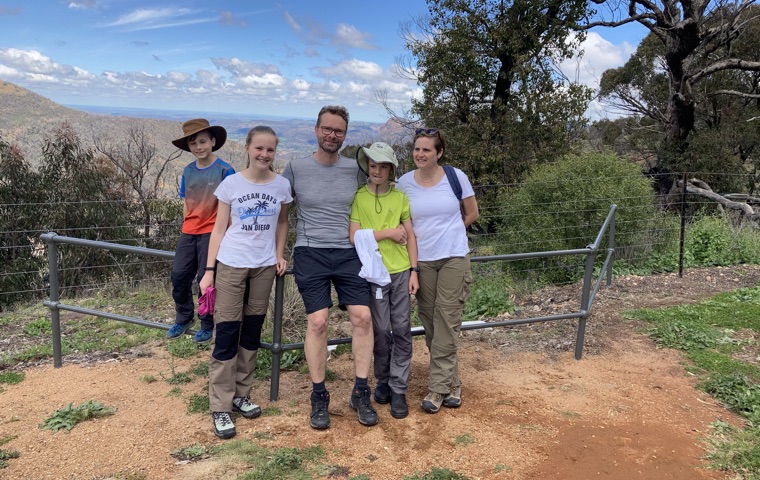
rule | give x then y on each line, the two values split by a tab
272	58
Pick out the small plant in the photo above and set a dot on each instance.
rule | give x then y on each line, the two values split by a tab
67	417
191	453
174	392
5	456
182	348
39	327
271	411
488	298
198	404
263	436
148	379
178	378
200	369
438	474
359	477
11	378
464	439
330	375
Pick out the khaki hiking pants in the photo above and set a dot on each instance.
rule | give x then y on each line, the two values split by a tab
444	287
242	299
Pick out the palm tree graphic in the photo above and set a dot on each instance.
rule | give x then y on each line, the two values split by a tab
262	205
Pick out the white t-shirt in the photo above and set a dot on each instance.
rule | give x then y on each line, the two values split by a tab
249	242
436	217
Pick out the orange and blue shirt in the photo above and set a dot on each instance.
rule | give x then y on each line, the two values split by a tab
197	188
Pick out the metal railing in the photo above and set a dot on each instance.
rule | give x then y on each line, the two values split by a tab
588	294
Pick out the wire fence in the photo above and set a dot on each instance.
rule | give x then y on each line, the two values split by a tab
648	231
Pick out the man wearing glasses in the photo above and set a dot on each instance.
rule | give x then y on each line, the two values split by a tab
323	185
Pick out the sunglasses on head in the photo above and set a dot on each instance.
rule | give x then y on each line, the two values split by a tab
426	132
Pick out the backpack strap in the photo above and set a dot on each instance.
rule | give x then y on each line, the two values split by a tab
451	174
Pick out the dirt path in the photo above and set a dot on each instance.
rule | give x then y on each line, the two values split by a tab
530	411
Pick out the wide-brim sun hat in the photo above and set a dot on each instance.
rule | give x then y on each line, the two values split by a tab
378	152
197	125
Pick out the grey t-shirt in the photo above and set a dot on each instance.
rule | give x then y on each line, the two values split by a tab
323	196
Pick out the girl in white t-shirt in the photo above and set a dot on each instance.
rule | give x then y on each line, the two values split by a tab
443	260
245	252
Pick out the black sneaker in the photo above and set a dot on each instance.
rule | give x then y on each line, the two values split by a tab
399	408
382	393
361	402
320	418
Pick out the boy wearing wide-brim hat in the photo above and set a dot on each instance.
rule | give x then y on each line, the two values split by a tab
199	181
381	220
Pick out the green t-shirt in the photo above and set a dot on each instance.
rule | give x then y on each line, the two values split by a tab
381	212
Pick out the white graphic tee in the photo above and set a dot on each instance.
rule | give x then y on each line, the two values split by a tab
254	209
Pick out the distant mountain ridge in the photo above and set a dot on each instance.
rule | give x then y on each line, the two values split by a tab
28	120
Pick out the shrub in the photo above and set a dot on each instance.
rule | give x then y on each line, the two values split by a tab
563	205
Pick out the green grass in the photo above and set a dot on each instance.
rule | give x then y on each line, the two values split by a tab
464	439
274	464
184	347
11	378
438	474
6	455
708	334
69	416
198	404
192	453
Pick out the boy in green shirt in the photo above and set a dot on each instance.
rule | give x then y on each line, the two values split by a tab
381	208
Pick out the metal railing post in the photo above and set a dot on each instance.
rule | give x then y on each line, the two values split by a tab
611	244
588	275
276	349
55	313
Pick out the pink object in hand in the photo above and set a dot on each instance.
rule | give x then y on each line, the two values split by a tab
206	302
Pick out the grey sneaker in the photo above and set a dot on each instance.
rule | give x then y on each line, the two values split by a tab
223	426
360	401
246	408
432	402
454	398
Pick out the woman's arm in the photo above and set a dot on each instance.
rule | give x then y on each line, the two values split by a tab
411	247
470	210
281	236
220	228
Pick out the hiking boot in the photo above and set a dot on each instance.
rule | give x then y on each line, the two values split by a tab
223	426
454	398
320	418
360	401
178	329
382	393
246	408
432	402
399	409
203	335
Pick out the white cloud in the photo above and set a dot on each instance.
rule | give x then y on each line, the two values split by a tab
350	36
156	18
229	83
292	22
598	55
353	68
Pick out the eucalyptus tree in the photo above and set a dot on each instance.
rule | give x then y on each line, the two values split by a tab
490	79
698	62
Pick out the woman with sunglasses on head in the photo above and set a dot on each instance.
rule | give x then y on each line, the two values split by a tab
440	226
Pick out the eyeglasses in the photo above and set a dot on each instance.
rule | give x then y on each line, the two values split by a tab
426	132
327	131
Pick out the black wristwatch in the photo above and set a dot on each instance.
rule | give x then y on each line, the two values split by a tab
414	269
210	269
